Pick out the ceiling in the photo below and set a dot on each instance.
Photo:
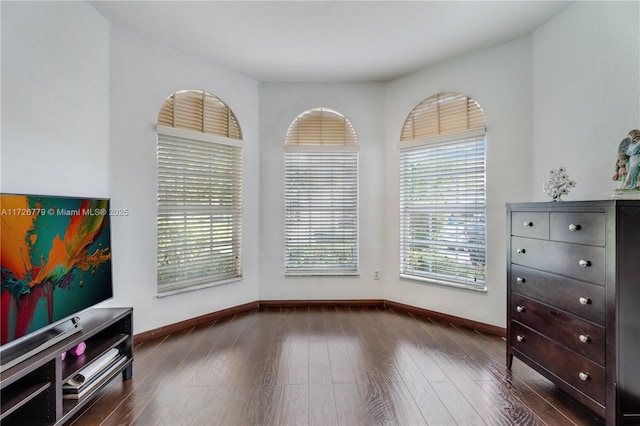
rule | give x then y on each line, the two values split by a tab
328	41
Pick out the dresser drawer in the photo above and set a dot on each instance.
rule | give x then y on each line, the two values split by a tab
577	297
580	336
576	227
585	263
560	361
530	224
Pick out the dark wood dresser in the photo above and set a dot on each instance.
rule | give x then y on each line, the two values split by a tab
573	300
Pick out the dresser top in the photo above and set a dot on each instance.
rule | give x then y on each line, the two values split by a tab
559	205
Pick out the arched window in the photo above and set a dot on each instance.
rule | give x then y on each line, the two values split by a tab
443	192
321	195
199	192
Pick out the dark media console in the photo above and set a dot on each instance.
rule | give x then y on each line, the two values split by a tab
32	391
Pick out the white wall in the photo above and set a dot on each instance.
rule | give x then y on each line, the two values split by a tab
143	75
79	105
280	104
587	94
55	99
499	79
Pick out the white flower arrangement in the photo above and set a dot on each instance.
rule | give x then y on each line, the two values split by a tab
558	184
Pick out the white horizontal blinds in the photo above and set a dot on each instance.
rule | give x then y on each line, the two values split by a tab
443	204
199	202
199	111
321	212
321	126
441	114
321	195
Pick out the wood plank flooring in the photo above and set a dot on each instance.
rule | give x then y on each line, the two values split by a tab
330	366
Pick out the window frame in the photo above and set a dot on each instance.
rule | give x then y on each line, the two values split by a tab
442	230
307	149
208	196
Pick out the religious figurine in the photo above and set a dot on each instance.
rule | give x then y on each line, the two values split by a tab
628	162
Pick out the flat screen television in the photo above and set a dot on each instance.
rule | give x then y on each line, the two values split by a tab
55	255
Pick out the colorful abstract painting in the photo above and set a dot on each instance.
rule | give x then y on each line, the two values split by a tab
55	255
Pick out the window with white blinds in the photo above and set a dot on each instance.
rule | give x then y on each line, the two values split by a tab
199	193
321	195
443	194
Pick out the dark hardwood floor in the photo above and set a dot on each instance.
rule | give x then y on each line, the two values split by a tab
330	366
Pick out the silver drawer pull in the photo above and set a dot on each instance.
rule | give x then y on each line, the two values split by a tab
584	300
528	224
584	263
520	251
574	227
520	280
520	308
584	339
583	376
520	338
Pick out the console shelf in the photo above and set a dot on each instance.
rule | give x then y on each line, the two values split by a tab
15	399
31	391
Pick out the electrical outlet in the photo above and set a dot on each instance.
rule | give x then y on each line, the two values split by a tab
376	275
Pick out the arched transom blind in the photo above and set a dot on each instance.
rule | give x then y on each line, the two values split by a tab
199	111
443	193
321	195
321	126
442	114
199	193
